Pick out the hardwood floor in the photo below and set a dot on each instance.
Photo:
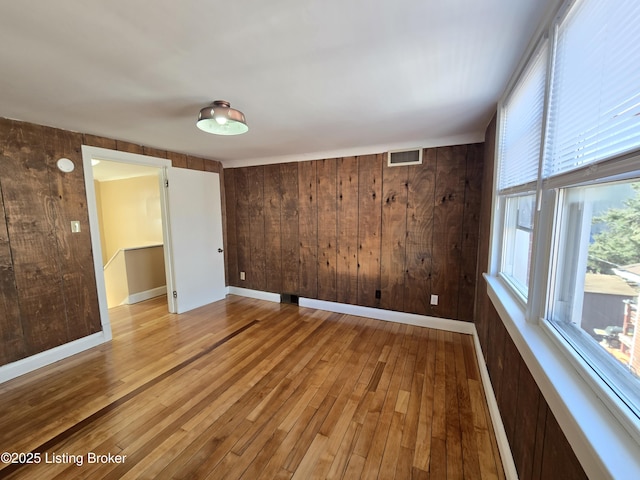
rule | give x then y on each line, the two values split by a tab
255	390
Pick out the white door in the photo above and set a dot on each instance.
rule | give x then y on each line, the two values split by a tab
194	234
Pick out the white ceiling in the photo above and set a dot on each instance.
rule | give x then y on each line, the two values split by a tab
312	77
106	171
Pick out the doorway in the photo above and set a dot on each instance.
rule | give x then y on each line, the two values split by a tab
191	220
131	230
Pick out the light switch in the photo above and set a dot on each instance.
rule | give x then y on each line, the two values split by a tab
75	226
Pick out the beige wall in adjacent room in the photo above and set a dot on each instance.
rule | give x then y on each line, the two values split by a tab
130	214
145	269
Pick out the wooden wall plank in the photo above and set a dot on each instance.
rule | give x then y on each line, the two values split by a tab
212	166
470	232
347	230
272	228
74	250
447	229
178	160
394	233
243	233
231	249
195	163
523	446
558	459
257	268
495	348
154	152
289	227
31	228
420	206
96	141
369	228
327	230
129	147
508	397
11	333
308	230
541	425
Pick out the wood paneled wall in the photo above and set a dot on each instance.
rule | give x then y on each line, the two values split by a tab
353	230
540	449
48	295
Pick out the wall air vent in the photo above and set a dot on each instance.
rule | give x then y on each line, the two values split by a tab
404	157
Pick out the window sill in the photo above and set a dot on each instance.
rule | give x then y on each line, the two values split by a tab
602	445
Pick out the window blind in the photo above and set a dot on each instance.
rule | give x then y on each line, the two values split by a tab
522	125
594	111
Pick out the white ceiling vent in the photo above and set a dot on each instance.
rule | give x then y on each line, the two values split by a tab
404	157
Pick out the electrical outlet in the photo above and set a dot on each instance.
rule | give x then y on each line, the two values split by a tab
434	299
75	226
242	276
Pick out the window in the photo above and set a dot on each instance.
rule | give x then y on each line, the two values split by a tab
593	122
595	95
568	193
518	240
594	297
520	145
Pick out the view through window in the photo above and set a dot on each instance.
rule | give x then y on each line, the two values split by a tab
595	300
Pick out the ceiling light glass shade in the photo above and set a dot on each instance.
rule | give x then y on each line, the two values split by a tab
221	119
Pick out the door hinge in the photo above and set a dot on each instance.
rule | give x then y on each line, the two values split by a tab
166	183
175	294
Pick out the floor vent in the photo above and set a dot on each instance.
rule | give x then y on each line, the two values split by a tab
289	298
404	157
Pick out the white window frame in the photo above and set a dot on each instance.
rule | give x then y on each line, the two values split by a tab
499	204
625	168
509	224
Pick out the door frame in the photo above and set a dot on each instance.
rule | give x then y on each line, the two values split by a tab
97	153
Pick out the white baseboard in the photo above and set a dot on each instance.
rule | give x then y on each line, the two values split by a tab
29	364
391	316
498	427
146	295
257	294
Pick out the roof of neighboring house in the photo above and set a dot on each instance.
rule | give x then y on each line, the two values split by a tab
633	268
631	273
608	285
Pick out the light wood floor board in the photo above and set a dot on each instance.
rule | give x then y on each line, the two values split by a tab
246	389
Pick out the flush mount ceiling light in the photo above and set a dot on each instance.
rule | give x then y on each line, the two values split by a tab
221	119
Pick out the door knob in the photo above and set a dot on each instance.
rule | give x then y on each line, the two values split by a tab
220	250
